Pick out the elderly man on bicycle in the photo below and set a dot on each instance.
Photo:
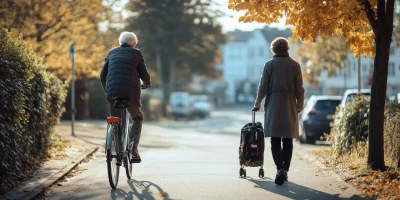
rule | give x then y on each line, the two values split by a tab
123	68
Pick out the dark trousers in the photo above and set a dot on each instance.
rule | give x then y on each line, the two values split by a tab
137	116
282	155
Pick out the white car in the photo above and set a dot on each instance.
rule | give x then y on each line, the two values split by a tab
180	105
202	108
348	97
351	93
398	97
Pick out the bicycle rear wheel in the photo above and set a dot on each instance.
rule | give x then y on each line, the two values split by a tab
112	155
128	164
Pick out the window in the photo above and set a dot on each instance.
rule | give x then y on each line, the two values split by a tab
392	69
251	72
328	105
349	70
355	67
364	68
261	51
251	52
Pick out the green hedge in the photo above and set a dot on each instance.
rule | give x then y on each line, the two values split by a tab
31	103
352	129
392	133
352	125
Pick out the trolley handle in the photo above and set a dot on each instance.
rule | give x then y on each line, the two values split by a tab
254	116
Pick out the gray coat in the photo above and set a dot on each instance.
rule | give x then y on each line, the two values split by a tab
282	85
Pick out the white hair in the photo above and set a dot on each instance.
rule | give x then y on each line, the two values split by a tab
127	38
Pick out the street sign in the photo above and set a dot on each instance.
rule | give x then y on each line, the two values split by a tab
72	51
71	55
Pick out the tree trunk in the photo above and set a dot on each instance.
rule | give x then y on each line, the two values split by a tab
165	84
398	163
82	99
161	71
378	95
171	74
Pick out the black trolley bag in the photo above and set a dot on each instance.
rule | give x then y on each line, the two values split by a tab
251	149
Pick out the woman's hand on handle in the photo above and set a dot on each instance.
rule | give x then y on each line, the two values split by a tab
256	108
299	110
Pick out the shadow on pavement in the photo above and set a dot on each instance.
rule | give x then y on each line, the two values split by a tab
139	190
294	191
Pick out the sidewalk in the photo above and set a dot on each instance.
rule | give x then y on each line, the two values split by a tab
55	168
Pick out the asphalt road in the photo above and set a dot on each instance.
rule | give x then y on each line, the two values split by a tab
199	160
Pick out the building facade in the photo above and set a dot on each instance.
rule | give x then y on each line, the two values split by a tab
347	78
245	53
243	58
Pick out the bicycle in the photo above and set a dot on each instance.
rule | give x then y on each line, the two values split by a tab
118	149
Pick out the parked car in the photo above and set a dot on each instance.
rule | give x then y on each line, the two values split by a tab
201	105
180	105
202	108
315	120
398	97
349	95
245	98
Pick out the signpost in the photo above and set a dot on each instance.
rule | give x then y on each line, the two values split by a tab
71	54
359	74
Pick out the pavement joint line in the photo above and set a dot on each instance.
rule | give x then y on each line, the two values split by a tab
59	175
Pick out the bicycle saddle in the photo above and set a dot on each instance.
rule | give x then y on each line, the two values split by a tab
122	103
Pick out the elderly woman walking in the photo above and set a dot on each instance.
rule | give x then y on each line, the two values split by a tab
282	86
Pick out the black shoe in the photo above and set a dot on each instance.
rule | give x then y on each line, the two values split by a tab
286	175
280	177
135	157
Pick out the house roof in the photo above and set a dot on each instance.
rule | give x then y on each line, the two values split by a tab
272	33
268	33
239	36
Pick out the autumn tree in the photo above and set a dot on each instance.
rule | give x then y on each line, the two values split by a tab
178	36
325	54
52	26
367	26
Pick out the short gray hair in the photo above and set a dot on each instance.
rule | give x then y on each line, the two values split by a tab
127	38
280	44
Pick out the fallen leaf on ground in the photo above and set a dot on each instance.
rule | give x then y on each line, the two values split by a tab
162	194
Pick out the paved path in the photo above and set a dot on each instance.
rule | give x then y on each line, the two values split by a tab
188	161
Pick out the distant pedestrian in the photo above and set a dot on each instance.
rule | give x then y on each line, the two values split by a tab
282	86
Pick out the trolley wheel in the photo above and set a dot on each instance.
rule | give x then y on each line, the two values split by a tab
261	173
241	171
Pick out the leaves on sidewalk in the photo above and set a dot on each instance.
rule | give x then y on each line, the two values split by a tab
163	194
379	185
353	169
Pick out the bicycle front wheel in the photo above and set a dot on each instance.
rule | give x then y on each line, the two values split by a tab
112	156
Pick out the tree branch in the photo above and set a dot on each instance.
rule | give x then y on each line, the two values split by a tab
370	13
389	13
381	10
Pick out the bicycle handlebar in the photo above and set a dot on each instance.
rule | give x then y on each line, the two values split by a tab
143	87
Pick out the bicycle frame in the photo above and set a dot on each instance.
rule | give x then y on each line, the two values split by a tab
123	132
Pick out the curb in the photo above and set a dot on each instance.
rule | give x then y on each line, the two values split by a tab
57	176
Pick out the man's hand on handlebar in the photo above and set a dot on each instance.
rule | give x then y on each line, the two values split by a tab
143	86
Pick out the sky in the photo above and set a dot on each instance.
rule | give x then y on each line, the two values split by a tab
231	21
